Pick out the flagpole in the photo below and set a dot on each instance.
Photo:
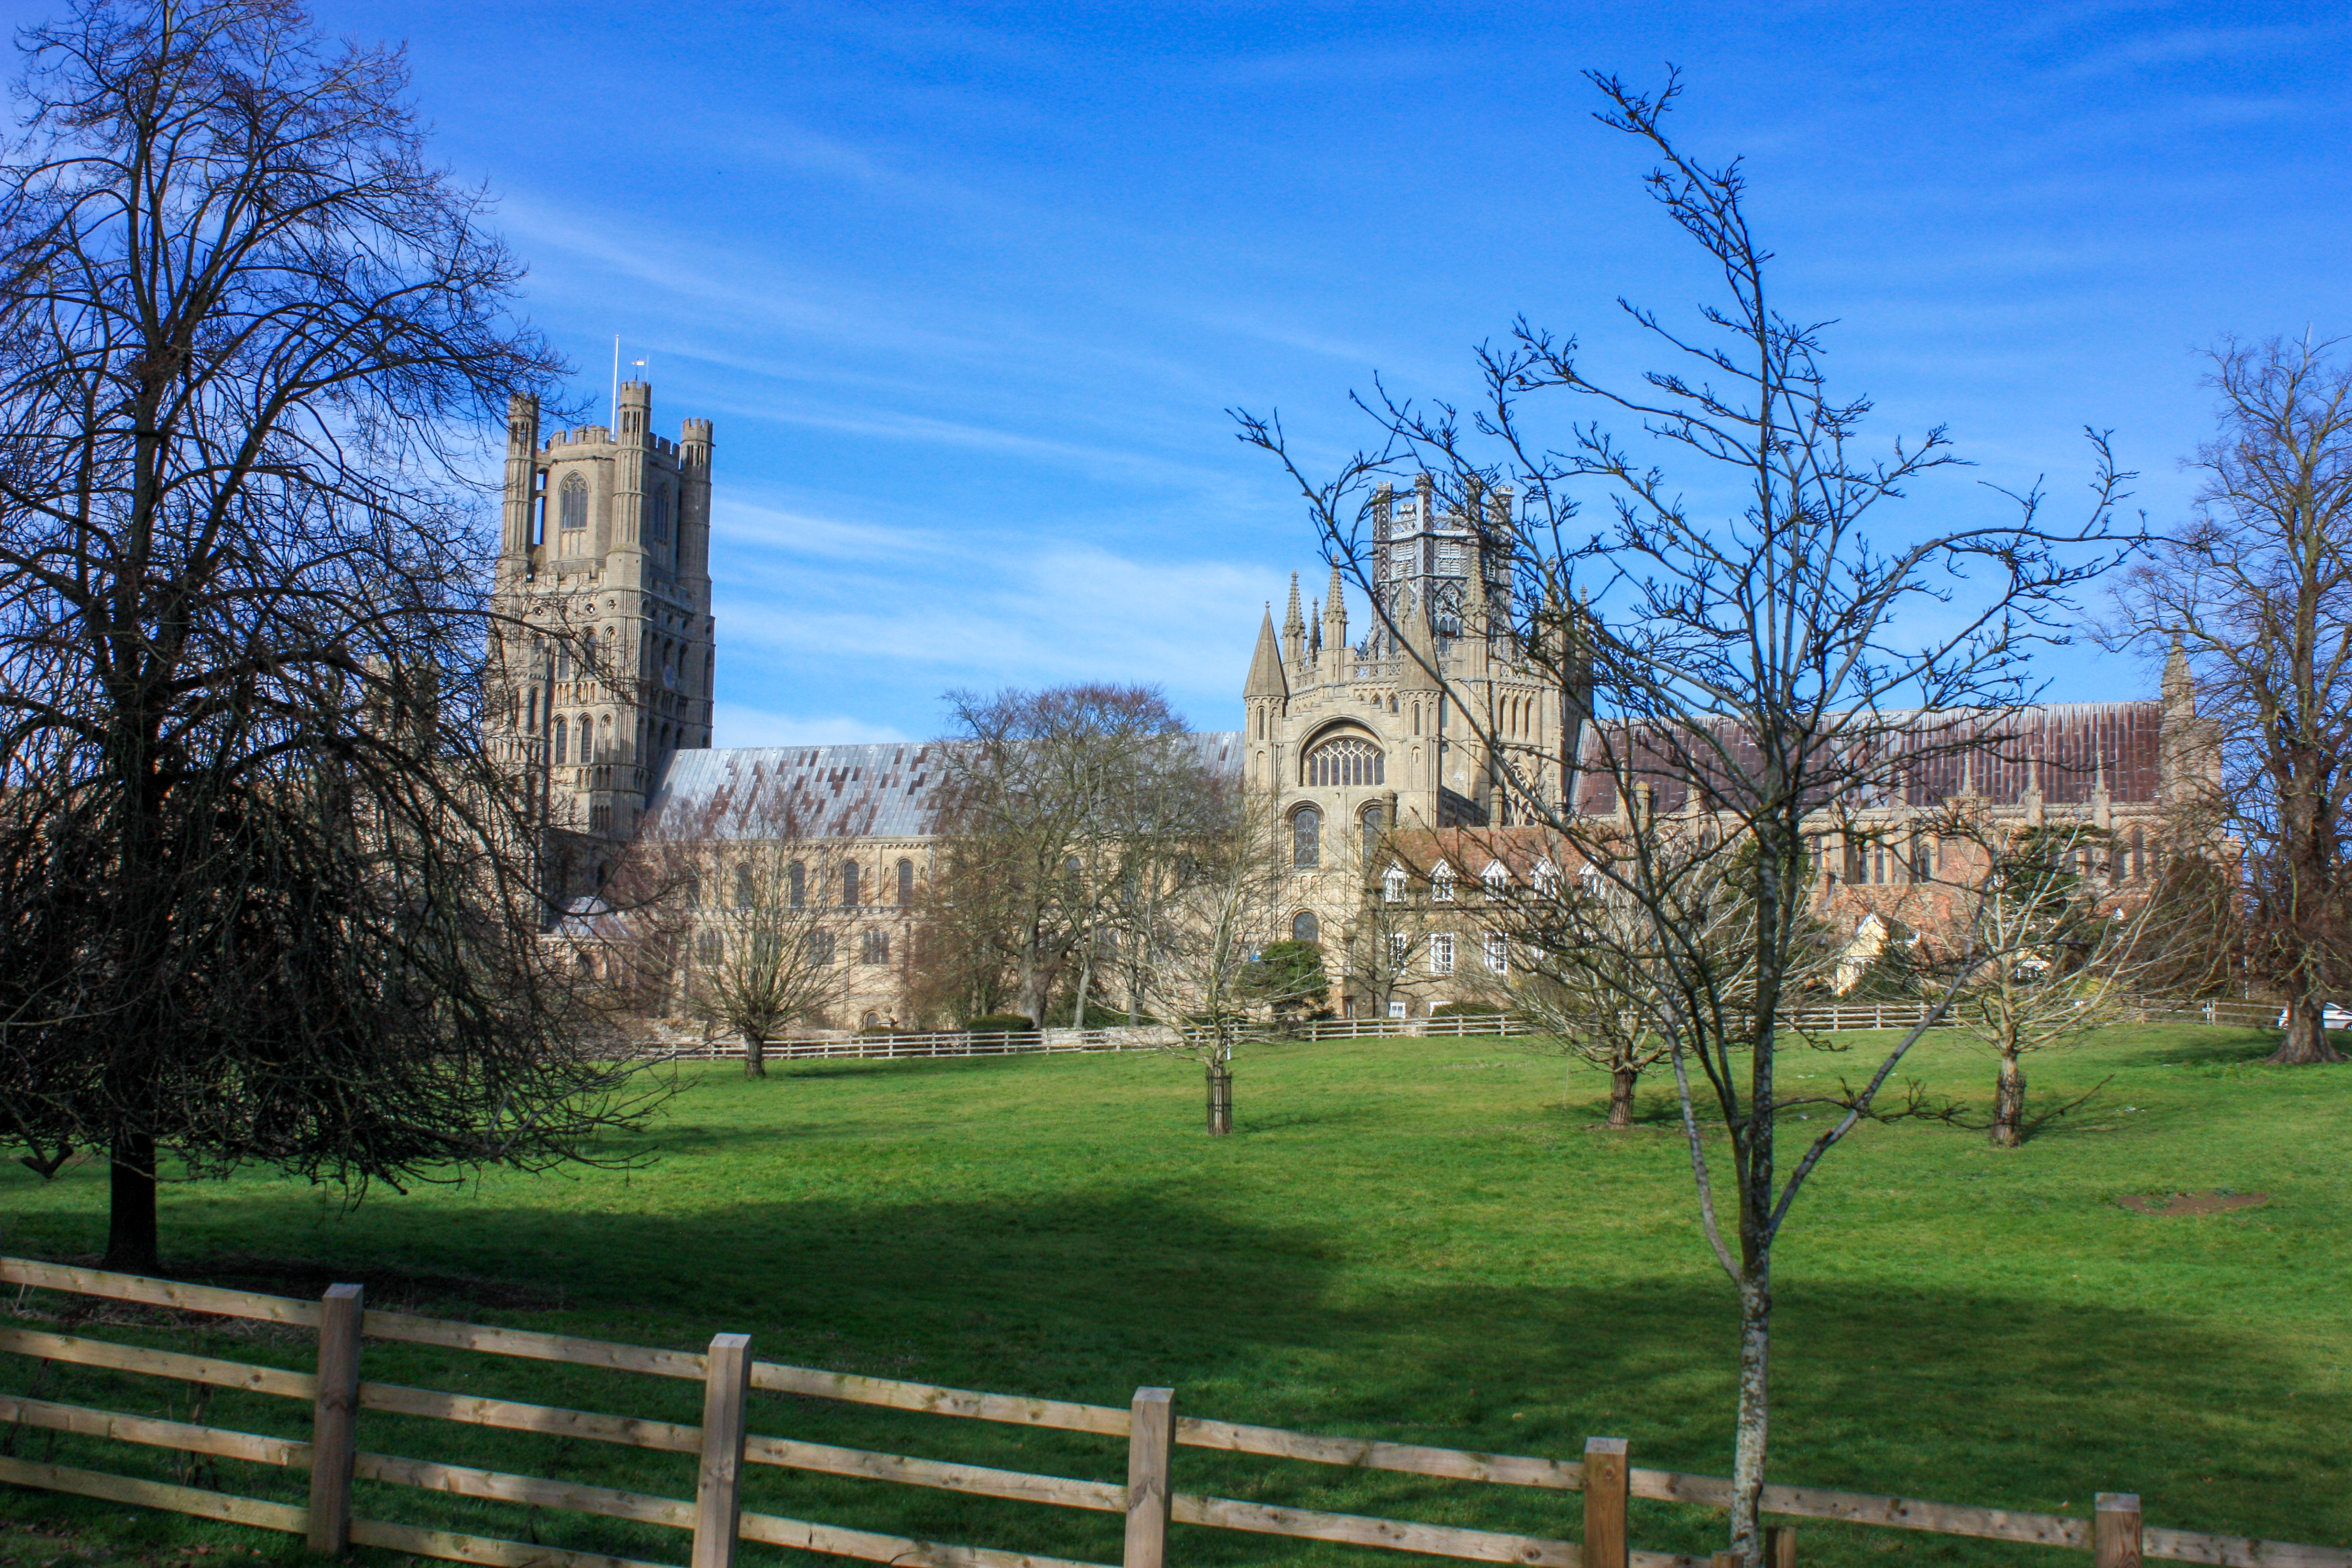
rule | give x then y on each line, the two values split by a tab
616	383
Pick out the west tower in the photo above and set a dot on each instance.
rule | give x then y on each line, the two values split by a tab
604	639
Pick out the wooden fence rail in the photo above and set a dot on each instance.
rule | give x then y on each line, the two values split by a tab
715	1518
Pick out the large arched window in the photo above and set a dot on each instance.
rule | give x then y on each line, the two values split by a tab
1346	762
906	883
573	512
1306	837
1305	927
849	885
796	876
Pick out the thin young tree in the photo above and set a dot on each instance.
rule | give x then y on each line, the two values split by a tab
1744	670
2067	964
1201	969
2254	595
268	902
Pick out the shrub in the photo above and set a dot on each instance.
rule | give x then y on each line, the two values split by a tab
1468	1010
999	1023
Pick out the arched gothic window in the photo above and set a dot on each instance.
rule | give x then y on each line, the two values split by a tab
743	887
906	883
657	516
849	885
557	750
2139	863
573	513
1305	927
1306	837
1371	821
796	878
1347	762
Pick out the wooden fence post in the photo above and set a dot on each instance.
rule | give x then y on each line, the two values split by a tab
2115	1531
334	1418
719	1487
1606	1484
1780	1546
1150	1445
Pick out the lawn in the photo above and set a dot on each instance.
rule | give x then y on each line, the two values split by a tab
1411	1239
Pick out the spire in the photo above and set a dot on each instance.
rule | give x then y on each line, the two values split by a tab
1294	625
1266	678
2180	692
1412	674
1314	619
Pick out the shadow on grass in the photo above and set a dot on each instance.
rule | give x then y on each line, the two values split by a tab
1882	1386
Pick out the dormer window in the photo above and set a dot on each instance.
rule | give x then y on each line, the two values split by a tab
1392	885
1546	879
1441	884
1496	878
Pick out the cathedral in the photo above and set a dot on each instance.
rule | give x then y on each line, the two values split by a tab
1386	790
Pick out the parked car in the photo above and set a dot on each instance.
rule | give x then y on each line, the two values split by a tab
2334	1015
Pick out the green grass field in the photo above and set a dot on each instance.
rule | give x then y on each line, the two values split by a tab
1411	1239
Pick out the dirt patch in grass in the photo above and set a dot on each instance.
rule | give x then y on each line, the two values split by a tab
2194	1203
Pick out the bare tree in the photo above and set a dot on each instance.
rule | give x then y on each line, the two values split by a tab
2253	594
2064	967
723	902
1753	669
1200	969
268	900
1042	788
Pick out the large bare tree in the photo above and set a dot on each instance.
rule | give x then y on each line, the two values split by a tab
266	901
1044	790
2254	594
1747	670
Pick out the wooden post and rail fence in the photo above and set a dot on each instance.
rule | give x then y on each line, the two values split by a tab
716	1519
1897	1014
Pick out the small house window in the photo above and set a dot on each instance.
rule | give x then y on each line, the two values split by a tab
1400	949
1498	954
1441	952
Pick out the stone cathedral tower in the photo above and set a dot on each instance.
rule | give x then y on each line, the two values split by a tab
605	637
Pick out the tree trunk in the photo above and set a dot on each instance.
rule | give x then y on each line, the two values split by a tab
131	1233
1085	978
2009	1104
755	1053
2307	1043
1755	1413
1221	1101
1620	1098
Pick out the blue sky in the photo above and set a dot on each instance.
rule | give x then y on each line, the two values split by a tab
968	289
